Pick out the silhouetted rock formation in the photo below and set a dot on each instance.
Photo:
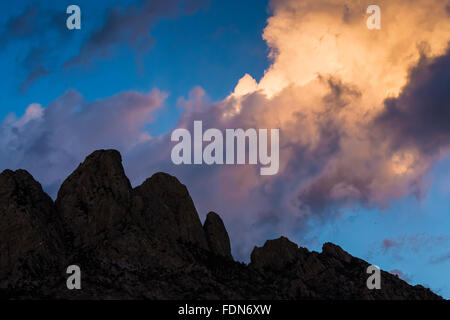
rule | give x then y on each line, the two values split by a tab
180	219
31	245
148	242
217	235
95	198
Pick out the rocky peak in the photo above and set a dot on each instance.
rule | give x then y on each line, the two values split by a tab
275	254
95	197
29	230
217	235
178	218
336	251
21	185
131	243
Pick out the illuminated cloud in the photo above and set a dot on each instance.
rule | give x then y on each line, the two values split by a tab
332	83
348	102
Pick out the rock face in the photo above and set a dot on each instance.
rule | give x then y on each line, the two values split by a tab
179	219
30	233
332	274
275	254
148	242
95	198
217	235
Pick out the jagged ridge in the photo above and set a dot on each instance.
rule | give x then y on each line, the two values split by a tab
148	242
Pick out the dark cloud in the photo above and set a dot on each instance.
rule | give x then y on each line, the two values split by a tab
35	22
24	24
42	28
388	244
420	116
130	26
441	259
400	246
32	77
34	63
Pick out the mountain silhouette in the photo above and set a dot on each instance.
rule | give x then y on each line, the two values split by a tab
148	243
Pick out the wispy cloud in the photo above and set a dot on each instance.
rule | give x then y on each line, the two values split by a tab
34	25
401	246
440	259
130	26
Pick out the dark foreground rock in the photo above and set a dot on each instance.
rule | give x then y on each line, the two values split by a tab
148	243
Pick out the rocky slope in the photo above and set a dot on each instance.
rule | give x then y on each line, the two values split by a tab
149	243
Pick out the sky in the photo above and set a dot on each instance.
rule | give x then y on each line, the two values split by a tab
363	114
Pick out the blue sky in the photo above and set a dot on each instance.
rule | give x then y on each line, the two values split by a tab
213	48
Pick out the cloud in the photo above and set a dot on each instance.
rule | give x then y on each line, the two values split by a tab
51	141
403	245
388	244
34	25
327	89
24	24
441	259
418	119
130	26
34	62
33	77
401	275
328	82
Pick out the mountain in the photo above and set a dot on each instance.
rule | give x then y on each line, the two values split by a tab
148	243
